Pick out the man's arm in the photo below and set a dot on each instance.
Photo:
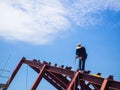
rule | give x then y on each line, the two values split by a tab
76	54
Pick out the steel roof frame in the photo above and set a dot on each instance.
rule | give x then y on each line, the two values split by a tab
64	78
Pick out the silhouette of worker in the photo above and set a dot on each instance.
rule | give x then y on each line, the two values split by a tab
81	55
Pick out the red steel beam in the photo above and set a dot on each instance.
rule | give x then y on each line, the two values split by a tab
84	86
114	84
51	81
63	78
98	81
56	72
57	80
91	79
85	77
48	78
3	86
14	73
66	72
59	76
36	69
96	87
38	78
72	82
33	64
104	85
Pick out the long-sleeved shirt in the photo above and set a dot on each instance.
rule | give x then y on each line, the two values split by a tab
81	52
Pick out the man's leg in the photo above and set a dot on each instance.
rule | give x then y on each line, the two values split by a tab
83	64
79	64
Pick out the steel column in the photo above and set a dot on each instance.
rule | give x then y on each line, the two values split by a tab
38	78
104	85
73	81
14	73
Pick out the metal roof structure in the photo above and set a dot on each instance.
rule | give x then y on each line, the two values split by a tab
64	78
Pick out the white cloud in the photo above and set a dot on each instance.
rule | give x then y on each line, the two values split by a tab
84	12
114	5
42	21
36	22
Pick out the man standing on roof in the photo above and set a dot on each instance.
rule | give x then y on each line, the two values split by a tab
82	56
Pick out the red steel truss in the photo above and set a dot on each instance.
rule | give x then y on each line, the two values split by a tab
64	78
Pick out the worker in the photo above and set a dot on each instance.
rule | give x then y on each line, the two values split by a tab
81	55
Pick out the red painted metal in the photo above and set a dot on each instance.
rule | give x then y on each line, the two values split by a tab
84	86
14	73
56	79
54	69
65	79
114	84
3	86
104	85
73	81
51	81
40	75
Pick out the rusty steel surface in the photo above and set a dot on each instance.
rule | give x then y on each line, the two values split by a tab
65	78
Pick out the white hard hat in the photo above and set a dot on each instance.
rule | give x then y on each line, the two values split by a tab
78	44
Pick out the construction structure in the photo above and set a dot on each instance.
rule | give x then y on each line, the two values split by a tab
63	78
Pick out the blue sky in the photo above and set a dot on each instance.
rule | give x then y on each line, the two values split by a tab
49	30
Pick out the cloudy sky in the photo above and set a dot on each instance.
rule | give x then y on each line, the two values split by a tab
50	30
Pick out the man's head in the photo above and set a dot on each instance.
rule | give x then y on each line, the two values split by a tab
78	45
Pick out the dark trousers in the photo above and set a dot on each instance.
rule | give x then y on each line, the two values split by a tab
82	64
